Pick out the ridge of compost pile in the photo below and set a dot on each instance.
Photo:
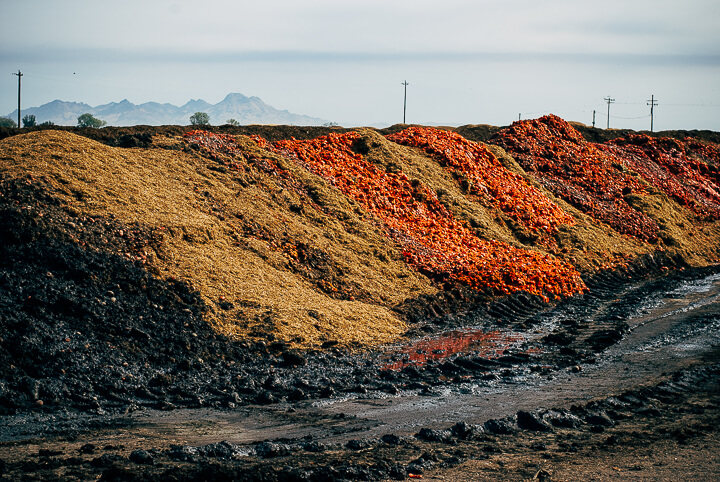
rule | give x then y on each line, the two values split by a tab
625	182
579	172
482	174
687	170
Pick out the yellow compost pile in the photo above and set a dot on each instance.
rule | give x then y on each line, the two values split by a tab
277	251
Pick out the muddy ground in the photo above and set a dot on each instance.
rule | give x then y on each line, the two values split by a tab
656	433
595	412
112	373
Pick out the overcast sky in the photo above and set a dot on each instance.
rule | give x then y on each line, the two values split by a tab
466	61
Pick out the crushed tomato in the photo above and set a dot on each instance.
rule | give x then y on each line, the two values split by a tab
687	170
433	241
487	178
580	172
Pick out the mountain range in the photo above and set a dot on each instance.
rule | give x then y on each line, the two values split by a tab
245	110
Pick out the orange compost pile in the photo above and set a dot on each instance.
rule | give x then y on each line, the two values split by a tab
687	170
434	242
584	174
480	172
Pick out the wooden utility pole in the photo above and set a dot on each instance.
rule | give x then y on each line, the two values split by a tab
405	83
652	103
19	74
609	101
593	117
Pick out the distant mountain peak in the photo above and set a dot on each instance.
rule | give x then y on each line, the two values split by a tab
235	95
245	110
196	103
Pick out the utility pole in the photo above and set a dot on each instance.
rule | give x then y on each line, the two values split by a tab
405	83
652	103
593	117
609	101
19	74
519	116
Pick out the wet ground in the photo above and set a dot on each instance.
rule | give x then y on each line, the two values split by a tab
631	357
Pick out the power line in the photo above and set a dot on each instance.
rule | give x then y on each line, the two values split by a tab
623	117
666	104
19	74
694	105
631	118
405	83
652	105
609	101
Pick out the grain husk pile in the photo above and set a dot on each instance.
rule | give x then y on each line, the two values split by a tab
277	251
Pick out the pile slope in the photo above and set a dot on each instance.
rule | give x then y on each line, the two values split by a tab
664	192
262	258
321	242
132	272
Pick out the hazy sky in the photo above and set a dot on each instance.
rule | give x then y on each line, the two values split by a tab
466	61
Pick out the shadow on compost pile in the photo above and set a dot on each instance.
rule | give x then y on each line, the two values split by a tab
85	328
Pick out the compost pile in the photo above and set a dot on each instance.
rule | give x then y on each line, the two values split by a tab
239	244
687	170
579	172
433	240
483	175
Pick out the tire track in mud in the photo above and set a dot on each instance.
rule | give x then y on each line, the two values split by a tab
664	335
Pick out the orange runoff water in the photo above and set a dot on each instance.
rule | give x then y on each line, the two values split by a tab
485	344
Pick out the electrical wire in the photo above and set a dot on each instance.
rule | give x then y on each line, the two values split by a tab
630	118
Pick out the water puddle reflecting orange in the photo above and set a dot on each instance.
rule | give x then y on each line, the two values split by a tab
487	344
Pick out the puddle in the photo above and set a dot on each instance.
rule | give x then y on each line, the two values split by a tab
695	286
487	344
691	295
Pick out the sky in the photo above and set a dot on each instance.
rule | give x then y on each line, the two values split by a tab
465	61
